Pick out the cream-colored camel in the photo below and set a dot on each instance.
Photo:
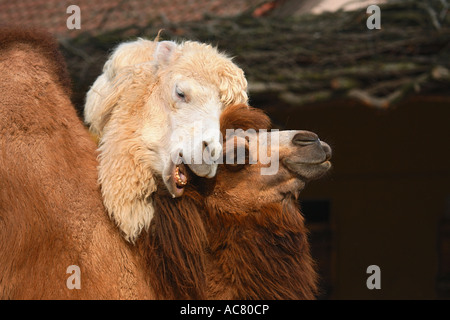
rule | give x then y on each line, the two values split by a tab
157	104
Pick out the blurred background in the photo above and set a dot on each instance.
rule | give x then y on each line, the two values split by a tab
379	97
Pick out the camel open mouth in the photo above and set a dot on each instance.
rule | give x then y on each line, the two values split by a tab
179	177
175	178
178	180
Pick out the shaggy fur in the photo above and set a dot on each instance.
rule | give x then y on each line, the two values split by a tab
255	252
211	246
51	213
174	248
201	245
133	108
260	255
258	251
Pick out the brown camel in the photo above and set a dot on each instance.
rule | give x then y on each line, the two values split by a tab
51	211
239	235
258	242
245	229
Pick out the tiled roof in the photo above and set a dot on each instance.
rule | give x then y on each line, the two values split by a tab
103	15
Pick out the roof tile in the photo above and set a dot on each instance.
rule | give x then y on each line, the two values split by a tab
112	14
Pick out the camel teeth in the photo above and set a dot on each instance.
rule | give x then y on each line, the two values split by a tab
178	179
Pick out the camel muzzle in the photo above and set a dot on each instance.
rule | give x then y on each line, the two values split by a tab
309	157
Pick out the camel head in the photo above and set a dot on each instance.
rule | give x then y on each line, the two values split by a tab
276	165
157	105
199	83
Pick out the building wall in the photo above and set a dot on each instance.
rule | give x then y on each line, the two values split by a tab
388	191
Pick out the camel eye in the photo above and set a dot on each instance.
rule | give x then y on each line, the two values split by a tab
234	165
180	94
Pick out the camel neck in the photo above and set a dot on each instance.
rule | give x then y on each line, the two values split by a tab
261	255
174	249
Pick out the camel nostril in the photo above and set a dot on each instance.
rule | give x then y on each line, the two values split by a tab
211	149
205	145
305	138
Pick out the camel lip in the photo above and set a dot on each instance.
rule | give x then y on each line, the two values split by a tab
178	180
203	170
306	163
308	171
325	163
180	177
175	178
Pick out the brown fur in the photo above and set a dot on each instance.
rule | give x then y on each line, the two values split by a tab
10	37
252	253
258	252
174	248
260	255
51	213
243	117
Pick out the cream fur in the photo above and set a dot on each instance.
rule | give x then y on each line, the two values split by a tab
133	109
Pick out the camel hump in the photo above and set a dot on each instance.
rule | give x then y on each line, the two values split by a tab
38	41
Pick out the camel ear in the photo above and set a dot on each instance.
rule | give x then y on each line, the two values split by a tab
164	52
101	99
94	106
106	90
129	54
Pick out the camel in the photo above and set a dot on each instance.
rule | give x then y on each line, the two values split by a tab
257	238
186	253
236	235
240	235
51	212
156	104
